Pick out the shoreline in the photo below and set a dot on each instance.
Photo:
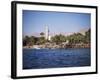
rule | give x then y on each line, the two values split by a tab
57	46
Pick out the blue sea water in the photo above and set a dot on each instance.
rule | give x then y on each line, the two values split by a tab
56	58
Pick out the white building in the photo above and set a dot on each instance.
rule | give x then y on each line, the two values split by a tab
49	38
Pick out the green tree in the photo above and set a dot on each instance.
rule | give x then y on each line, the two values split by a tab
58	39
29	41
32	40
41	40
75	38
25	40
88	36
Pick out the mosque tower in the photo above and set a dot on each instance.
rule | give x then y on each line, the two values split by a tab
46	33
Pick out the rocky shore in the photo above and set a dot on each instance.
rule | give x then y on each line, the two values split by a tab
60	46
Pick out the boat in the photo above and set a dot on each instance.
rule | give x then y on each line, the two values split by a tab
36	47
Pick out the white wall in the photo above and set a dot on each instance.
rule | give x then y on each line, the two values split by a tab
5	37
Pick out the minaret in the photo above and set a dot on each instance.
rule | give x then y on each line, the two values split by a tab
47	33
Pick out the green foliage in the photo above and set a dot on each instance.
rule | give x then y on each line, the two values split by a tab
79	38
76	38
88	36
58	39
41	40
29	40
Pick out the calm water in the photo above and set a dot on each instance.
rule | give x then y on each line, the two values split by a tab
53	58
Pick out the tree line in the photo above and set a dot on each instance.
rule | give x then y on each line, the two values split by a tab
58	39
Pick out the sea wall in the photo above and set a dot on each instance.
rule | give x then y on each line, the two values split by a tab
59	46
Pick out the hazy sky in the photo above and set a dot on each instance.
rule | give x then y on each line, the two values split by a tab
58	22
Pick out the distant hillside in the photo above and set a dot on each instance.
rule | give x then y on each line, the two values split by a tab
82	31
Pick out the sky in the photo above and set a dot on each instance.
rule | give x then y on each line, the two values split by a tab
58	22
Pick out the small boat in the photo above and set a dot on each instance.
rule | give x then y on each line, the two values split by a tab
36	47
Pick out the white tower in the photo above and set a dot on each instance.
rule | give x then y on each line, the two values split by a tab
47	33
